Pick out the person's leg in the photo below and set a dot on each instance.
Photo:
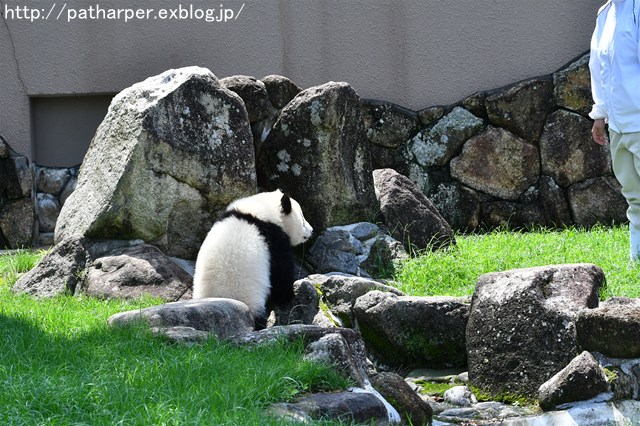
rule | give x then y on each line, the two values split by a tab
625	155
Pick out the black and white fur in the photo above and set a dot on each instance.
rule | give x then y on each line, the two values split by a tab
247	254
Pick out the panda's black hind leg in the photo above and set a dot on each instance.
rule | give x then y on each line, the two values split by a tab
260	322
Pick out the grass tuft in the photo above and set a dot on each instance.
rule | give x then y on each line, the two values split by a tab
454	271
62	364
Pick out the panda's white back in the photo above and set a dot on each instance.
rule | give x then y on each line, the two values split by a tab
233	262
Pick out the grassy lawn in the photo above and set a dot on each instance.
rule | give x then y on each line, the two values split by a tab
60	364
456	270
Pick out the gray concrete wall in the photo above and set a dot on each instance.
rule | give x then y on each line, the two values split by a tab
416	53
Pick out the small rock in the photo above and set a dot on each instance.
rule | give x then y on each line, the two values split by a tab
460	396
582	379
223	318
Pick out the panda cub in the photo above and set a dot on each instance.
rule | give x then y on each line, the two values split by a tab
247	254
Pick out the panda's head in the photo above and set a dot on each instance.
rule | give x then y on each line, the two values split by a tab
293	222
280	209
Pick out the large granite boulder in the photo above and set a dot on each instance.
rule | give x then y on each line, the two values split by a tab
317	152
413	331
409	214
567	151
510	165
171	153
521	328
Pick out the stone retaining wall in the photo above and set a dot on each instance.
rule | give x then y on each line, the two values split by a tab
516	157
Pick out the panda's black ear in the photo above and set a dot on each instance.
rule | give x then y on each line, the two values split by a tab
285	204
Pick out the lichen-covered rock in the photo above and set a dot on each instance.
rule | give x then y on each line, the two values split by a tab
612	329
222	318
171	153
509	215
522	109
387	124
597	200
398	393
253	93
51	180
362	249
430	115
16	206
554	203
333	349
350	407
572	86
303	308
16	223
60	271
130	273
510	165
340	293
458	205
521	328
581	379
48	208
568	154
409	214
280	90
317	152
476	104
435	146
413	331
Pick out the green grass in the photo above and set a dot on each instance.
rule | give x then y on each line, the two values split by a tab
455	271
60	364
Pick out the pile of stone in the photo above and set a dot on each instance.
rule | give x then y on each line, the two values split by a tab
16	205
516	157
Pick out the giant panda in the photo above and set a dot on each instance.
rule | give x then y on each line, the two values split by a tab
247	254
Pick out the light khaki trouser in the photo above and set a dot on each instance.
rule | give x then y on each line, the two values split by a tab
625	156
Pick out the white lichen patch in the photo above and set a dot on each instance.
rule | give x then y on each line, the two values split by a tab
219	126
284	128
426	151
458	119
284	158
305	142
316	110
296	169
419	177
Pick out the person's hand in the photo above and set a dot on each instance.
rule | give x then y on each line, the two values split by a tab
598	132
